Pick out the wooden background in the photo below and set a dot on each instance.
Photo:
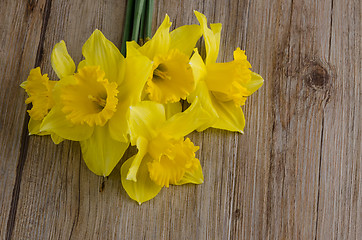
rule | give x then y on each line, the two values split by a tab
296	173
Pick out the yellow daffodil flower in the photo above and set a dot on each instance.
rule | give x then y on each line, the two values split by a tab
92	105
164	156
222	87
39	89
171	78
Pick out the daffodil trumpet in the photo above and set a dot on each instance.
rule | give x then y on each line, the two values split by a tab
40	91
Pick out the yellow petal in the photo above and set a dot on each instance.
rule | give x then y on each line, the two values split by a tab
193	175
211	37
99	51
231	117
198	66
62	63
201	91
185	122
34	127
142	145
160	43
184	38
56	122
138	68
81	64
216	30
255	83
101	153
172	109
118	125
145	120
133	44
204	96
56	139
142	190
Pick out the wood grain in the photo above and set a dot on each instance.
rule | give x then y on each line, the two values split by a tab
21	27
296	173
340	210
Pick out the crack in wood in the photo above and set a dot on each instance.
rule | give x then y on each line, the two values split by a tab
322	132
319	178
76	218
19	171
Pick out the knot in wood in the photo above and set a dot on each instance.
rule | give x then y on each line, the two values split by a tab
237	214
317	77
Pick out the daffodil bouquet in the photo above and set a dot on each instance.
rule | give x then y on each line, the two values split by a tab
110	101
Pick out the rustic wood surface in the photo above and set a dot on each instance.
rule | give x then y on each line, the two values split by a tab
296	173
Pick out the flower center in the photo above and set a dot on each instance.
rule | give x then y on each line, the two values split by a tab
90	99
171	159
171	79
98	101
227	80
160	73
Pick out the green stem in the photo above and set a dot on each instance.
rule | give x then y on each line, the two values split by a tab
142	26
127	25
140	4
148	22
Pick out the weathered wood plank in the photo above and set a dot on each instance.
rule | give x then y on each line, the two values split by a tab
20	27
340	203
281	200
281	149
